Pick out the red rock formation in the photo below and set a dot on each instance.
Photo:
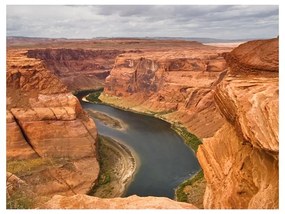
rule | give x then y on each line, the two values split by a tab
177	86
240	162
44	120
256	56
132	202
77	68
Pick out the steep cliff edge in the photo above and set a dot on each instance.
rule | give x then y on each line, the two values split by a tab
240	162
78	69
175	85
51	141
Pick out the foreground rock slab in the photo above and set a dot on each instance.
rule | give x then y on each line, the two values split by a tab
133	202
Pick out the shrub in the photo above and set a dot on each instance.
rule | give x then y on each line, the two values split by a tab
180	194
190	139
94	96
22	166
19	200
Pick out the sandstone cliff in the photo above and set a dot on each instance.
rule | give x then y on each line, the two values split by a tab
79	69
48	133
240	162
175	85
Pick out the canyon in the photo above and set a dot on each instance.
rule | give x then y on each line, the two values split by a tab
228	98
232	105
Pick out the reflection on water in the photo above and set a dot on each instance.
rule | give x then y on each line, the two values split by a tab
165	160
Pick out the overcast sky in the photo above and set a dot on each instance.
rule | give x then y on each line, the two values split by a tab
222	21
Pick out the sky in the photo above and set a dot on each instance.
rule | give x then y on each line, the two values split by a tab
214	21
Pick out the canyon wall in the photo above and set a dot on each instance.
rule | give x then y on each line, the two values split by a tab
240	162
232	105
47	126
78	69
175	85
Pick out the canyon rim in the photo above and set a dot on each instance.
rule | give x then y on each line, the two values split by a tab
220	97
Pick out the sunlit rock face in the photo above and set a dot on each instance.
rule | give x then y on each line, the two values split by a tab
177	85
44	120
240	161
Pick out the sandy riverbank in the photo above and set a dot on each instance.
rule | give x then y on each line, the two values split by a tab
85	100
193	192
107	119
118	167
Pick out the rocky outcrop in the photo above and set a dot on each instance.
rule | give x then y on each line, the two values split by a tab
79	69
255	56
132	202
46	122
240	162
177	86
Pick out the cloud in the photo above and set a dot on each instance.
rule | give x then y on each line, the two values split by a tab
215	21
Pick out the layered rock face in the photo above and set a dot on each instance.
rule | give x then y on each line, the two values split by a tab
132	202
45	121
240	162
177	86
51	143
77	68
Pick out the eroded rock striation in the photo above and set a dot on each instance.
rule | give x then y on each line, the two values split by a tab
175	85
240	162
78	69
46	122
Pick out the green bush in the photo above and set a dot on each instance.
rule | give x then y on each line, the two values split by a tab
22	166
190	139
104	175
94	96
19	201
104	179
180	194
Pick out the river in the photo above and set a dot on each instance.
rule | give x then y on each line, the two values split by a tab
165	161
